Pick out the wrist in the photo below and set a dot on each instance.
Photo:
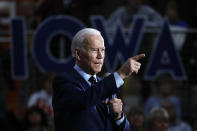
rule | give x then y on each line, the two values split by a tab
121	74
121	120
118	116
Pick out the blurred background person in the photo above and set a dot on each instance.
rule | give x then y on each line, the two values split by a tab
157	120
172	14
136	118
124	15
8	120
43	97
164	91
175	124
35	120
80	9
177	25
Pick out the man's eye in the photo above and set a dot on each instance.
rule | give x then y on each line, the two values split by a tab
94	50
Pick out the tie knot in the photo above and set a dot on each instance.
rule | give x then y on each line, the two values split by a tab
92	80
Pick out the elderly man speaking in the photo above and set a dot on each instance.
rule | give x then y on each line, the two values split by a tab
81	100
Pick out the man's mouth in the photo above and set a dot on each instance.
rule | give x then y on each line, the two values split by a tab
98	64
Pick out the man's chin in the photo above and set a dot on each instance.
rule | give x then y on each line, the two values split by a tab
97	71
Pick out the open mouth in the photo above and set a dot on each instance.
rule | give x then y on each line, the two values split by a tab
98	64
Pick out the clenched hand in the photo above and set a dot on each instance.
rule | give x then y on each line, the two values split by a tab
115	106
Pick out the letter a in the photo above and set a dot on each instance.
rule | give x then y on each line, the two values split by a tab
165	58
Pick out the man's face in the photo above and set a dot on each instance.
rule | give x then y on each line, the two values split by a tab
91	58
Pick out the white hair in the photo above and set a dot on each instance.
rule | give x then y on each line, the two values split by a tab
155	113
159	111
78	39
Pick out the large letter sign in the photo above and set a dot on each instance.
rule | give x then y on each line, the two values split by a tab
165	57
66	25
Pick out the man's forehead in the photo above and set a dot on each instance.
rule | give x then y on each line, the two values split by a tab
93	36
94	40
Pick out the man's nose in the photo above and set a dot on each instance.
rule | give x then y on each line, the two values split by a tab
100	54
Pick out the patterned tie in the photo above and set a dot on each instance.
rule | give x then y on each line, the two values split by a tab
92	80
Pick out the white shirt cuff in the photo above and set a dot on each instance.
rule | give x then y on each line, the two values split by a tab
118	122
118	79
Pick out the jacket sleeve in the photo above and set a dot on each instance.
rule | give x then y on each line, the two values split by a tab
124	126
74	94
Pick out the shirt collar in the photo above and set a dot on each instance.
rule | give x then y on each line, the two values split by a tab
83	74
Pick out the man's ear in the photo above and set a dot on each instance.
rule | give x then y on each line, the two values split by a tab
77	54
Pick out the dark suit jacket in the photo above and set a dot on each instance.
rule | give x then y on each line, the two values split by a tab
79	107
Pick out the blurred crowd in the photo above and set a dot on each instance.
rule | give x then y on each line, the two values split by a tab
159	105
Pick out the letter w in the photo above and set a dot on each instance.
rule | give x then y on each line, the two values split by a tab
119	46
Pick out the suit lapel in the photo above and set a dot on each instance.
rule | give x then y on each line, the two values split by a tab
79	78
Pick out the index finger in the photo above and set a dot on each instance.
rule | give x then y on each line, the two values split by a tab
137	57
